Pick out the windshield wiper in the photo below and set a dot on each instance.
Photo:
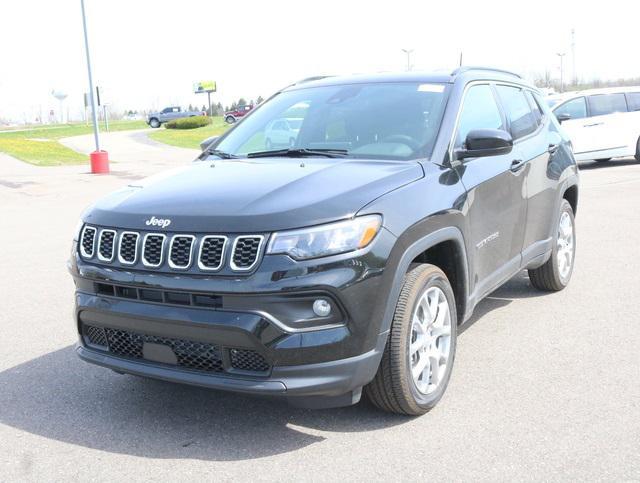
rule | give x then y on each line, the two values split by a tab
220	154
299	153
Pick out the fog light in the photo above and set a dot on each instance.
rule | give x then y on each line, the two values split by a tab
321	308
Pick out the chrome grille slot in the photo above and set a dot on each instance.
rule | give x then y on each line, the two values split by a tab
180	251
88	241
128	249
211	252
245	252
106	245
189	253
152	250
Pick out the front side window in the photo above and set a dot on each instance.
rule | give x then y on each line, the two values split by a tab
479	111
518	111
575	109
394	120
602	104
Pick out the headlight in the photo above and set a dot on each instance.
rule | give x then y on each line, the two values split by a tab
323	240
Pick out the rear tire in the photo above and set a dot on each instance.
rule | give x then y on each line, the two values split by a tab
555	274
423	335
637	156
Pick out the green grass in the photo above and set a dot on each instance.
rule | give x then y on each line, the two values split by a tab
189	138
40	146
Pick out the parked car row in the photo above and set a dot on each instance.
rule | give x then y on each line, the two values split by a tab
601	123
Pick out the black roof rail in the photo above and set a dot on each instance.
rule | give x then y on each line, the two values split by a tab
466	68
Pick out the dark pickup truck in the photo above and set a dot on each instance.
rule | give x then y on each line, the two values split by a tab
344	263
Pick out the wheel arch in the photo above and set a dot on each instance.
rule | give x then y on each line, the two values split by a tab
571	195
436	247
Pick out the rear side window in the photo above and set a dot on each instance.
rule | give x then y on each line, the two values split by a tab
575	109
535	108
633	99
479	111
521	119
602	104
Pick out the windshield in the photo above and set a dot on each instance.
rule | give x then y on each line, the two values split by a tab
379	121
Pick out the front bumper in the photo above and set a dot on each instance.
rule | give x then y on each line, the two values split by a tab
328	384
328	364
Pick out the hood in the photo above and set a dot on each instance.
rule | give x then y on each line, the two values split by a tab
254	195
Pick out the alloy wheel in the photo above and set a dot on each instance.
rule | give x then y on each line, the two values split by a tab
565	245
430	346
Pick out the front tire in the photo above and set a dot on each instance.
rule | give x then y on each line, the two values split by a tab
418	358
230	119
154	123
555	274
637	156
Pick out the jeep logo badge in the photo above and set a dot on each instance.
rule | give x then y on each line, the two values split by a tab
161	222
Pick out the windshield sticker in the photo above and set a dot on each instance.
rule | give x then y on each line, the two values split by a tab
430	88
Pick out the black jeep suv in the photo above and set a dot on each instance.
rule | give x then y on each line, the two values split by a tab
342	261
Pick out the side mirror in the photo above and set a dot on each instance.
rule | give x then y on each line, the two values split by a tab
563	117
485	142
207	142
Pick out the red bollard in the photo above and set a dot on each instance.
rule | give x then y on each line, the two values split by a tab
99	162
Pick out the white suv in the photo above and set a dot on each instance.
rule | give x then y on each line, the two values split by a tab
282	132
601	123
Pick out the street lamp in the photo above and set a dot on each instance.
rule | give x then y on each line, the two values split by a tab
561	71
408	52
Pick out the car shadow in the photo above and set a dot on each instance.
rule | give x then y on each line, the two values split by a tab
57	396
614	163
518	287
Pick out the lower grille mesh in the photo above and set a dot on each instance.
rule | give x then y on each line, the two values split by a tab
248	360
194	355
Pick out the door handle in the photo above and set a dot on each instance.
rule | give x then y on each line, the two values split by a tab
594	124
553	148
516	164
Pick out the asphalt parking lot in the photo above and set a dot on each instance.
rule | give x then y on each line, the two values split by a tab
545	386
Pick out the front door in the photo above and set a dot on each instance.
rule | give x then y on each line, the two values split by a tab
496	202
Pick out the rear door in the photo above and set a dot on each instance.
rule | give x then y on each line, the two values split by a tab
605	128
495	195
531	143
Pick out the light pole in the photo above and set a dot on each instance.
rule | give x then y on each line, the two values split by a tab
408	52
99	159
561	71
